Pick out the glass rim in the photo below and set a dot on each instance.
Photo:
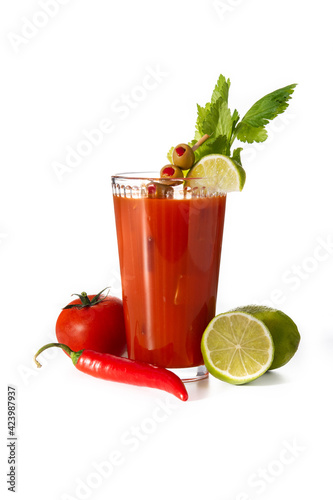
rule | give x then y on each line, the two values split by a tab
145	176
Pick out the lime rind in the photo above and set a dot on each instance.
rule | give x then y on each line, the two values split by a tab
237	347
283	330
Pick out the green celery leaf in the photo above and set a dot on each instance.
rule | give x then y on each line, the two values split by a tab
214	145
247	133
236	156
169	155
202	113
268	107
235	119
218	121
220	94
235	116
221	90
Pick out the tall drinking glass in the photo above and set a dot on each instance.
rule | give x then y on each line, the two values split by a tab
169	243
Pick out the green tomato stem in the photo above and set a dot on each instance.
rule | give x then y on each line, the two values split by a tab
84	299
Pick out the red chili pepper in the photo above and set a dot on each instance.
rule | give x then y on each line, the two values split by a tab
117	369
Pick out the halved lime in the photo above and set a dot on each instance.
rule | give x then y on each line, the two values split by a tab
217	172
285	334
237	347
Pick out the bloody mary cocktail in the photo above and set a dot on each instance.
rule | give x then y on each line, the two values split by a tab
169	253
170	227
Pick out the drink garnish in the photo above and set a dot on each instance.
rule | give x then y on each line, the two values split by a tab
217	127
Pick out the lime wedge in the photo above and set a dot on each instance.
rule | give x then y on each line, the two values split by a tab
237	347
217	172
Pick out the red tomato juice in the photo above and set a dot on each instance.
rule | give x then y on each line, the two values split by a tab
169	253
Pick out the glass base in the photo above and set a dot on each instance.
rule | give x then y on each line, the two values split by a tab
191	374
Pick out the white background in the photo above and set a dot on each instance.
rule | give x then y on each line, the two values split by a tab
57	237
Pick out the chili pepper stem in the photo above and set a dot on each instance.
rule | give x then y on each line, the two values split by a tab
74	355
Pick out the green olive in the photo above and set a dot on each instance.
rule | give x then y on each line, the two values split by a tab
171	172
183	156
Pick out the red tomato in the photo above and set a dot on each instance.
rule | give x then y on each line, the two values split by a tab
99	326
